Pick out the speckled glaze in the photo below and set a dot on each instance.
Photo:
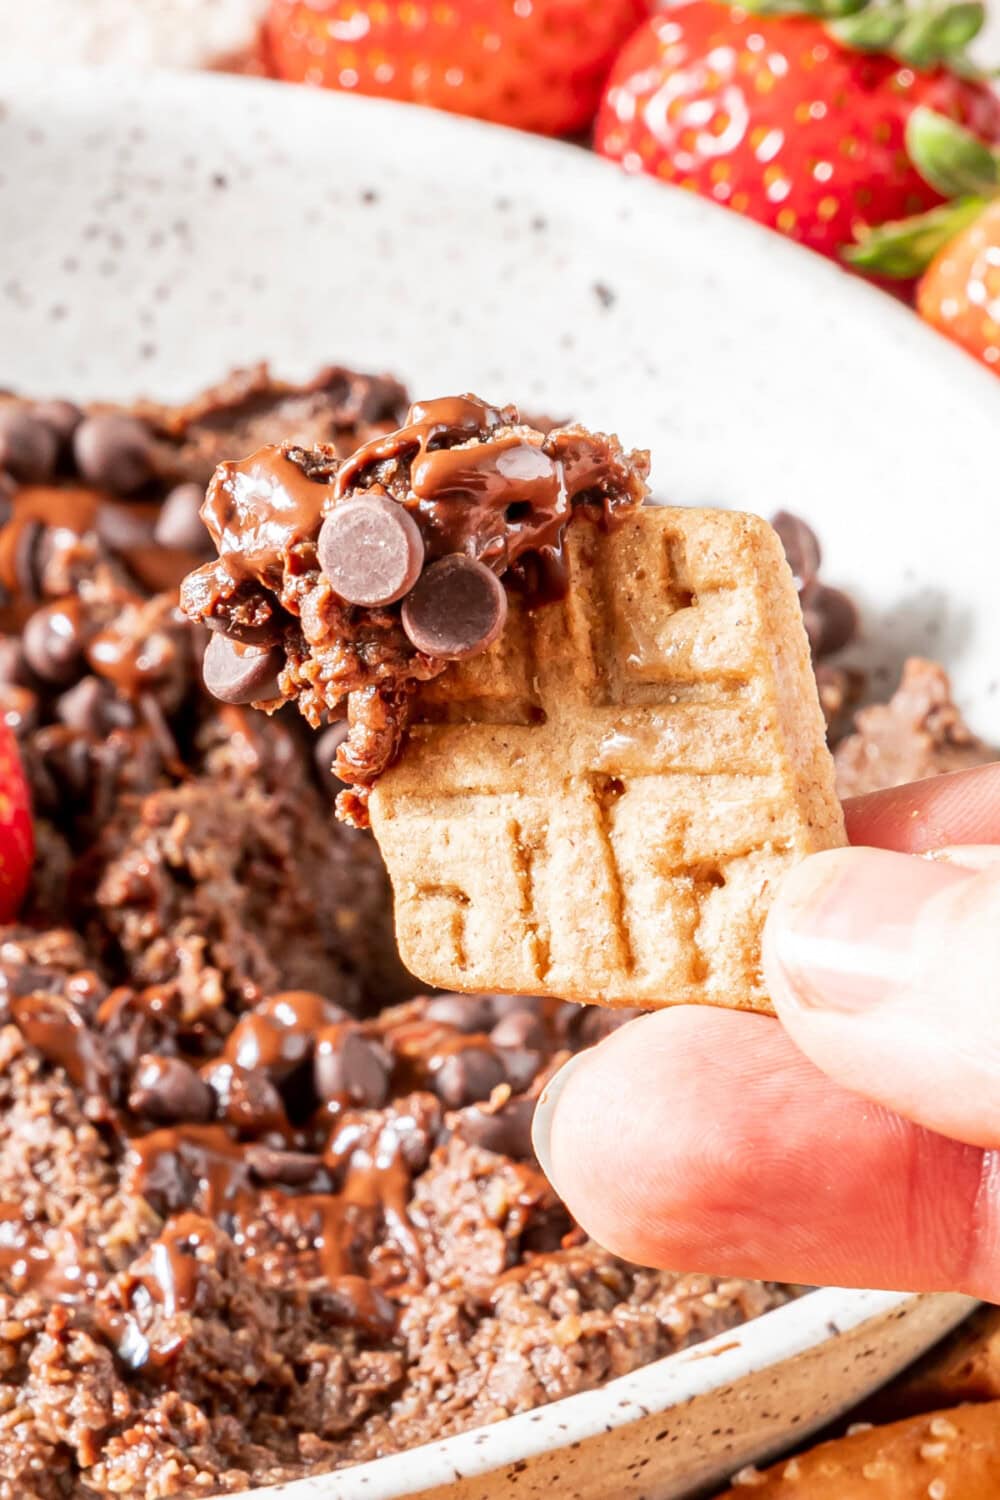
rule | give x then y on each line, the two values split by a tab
159	229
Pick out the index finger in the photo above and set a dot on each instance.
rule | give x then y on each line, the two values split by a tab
960	808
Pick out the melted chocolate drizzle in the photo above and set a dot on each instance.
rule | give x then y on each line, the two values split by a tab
478	484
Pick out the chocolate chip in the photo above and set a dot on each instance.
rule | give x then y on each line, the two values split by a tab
122	526
245	1098
257	621
27	557
235	673
520	1028
349	1064
179	523
13	668
28	448
291	1168
545	1231
53	642
468	1013
114	452
506	1131
595	1022
467	1075
370	550
801	547
457	608
56	1028
167	1089
830	617
280	1033
324	750
62	417
504	1005
93	707
521	1066
8	489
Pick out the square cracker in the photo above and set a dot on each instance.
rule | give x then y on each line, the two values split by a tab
600	806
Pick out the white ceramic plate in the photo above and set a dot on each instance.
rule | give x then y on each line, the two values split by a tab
156	230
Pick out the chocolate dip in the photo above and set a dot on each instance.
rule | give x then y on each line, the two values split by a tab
370	574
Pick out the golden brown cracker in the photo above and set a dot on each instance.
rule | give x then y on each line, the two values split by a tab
600	806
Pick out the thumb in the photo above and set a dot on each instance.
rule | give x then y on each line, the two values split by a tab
885	970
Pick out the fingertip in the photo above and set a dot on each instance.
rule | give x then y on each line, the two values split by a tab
839	938
628	1146
959	807
545	1113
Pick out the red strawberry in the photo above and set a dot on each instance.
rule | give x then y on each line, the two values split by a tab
956	246
536	64
17	843
959	293
783	118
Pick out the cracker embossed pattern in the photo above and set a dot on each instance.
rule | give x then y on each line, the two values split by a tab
600	806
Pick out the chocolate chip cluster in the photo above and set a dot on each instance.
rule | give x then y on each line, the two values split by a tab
291	1099
259	1219
830	618
342	586
111	451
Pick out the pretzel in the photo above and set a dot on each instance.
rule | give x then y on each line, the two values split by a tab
963	1367
951	1455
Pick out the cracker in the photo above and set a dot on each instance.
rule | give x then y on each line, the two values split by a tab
600	807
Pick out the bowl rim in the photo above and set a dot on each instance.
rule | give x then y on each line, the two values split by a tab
564	166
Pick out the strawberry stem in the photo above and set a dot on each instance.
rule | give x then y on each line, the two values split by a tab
950	158
923	37
904	248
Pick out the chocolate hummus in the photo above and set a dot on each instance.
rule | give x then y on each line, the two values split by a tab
343	584
263	1212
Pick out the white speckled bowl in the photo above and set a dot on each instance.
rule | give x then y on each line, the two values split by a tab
157	229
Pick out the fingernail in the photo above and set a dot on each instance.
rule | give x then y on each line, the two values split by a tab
842	932
545	1109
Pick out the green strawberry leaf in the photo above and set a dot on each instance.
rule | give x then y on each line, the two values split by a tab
871	30
784	7
958	25
835	10
906	247
930	37
949	157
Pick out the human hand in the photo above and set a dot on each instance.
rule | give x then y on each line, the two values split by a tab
856	1144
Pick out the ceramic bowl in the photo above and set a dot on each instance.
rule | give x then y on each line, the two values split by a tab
159	229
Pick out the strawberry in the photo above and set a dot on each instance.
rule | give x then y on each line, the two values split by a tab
796	120
956	246
17	844
960	292
536	64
